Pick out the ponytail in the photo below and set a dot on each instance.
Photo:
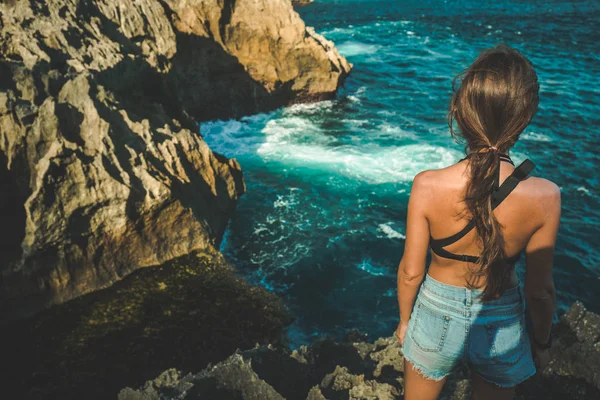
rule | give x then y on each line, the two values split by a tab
484	169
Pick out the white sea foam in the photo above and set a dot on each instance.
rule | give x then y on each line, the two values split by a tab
368	163
354	48
308	108
366	266
338	31
357	95
289	137
300	142
536	137
583	189
396	131
356	122
436	55
232	137
390	232
387	113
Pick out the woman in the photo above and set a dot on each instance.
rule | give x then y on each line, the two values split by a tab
477	216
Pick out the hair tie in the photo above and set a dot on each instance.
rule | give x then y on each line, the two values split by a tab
493	148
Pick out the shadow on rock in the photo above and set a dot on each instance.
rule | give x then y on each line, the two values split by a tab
185	314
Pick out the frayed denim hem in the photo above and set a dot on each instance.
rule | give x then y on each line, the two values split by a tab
420	370
507	385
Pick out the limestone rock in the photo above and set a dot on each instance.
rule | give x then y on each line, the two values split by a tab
232	378
315	394
102	168
171	381
373	390
574	367
376	371
341	379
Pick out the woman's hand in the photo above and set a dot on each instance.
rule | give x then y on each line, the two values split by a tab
541	357
401	332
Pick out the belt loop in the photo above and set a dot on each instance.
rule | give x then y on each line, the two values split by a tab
469	297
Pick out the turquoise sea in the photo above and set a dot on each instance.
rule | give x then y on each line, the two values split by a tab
323	220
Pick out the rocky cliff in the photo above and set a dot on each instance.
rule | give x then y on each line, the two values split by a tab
360	370
102	168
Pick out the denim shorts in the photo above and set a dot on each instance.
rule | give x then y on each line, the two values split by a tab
450	325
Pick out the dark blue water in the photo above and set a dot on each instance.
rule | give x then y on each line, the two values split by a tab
323	220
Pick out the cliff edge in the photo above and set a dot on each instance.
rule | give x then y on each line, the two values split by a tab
357	369
102	168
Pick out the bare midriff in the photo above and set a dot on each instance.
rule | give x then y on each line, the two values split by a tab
456	274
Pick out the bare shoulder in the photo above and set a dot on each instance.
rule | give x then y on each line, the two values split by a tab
424	183
543	196
542	189
440	183
428	189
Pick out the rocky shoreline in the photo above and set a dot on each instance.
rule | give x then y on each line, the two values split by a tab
102	168
358	369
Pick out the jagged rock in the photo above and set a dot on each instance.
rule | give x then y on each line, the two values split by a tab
277	61
170	383
229	379
315	394
325	354
388	354
236	376
574	367
579	333
341	379
289	377
571	374
102	170
373	390
300	355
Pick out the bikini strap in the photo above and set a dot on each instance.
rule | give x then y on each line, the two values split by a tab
498	196
511	182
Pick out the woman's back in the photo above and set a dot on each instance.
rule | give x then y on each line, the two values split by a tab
521	214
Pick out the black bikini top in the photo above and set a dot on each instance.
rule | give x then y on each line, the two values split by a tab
498	195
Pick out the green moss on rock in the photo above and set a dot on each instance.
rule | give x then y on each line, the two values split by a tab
184	314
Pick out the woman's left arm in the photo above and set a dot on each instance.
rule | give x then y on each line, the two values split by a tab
411	270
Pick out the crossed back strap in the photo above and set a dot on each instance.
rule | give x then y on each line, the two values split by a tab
498	196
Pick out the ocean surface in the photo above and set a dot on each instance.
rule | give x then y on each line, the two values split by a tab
323	220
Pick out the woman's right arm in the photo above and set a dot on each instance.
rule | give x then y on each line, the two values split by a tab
539	285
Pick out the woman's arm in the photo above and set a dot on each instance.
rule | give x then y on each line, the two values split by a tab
411	270
539	285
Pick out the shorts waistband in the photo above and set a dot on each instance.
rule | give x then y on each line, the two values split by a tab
461	293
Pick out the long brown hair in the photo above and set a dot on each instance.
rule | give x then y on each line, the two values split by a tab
496	99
